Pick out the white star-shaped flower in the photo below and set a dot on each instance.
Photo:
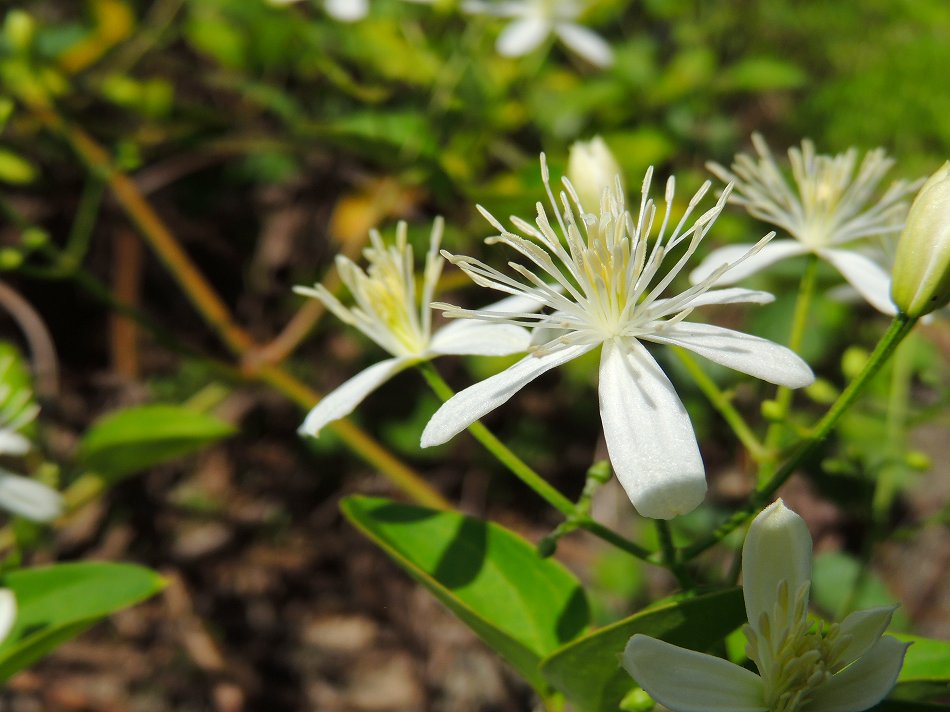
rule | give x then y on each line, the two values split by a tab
829	211
387	311
21	495
599	278
533	21
804	666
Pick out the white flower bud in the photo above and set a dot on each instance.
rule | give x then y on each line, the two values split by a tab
592	169
921	277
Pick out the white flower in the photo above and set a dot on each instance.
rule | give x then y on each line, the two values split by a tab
828	211
606	291
20	495
388	312
534	20
804	666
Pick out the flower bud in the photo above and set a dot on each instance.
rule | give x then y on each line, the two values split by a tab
591	168
921	278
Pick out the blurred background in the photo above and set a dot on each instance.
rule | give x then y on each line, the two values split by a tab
169	170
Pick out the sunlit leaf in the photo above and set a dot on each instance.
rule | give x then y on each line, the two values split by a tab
520	604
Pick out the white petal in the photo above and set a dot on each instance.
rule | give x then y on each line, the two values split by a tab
29	498
746	353
864	683
12	443
750	354
341	401
521	36
865	275
865	628
469	336
687	681
7	612
347	10
730	295
467	406
777	548
586	43
772	252
650	440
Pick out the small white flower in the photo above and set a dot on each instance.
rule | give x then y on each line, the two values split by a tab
388	312
20	495
534	20
804	666
829	211
606	292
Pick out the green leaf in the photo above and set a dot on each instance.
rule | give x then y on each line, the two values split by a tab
133	439
588	670
56	603
926	670
521	605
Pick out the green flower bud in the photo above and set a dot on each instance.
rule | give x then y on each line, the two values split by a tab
921	277
592	169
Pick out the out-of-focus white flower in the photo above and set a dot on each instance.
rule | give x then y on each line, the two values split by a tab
342	10
922	262
606	292
592	169
534	20
7	612
388	312
20	495
804	666
829	210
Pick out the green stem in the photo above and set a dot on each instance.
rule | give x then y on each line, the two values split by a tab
671	555
899	328
898	399
520	469
502	452
721	402
783	396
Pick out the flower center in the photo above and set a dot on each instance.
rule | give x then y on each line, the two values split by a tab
795	656
394	309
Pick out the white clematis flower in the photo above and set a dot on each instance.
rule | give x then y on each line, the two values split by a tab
388	312
829	211
23	496
606	292
533	21
804	666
